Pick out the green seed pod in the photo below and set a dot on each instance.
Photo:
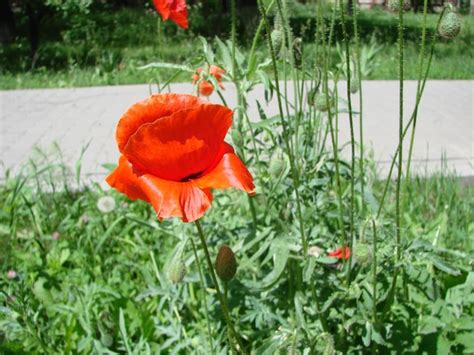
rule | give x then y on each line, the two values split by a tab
277	40
450	25
363	253
177	270
226	265
394	5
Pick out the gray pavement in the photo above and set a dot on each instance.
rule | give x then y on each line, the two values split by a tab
76	117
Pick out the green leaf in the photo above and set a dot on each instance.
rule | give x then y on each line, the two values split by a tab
161	65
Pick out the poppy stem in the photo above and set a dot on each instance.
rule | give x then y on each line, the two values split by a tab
201	278
221	298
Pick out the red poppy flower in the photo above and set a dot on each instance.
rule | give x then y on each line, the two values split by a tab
174	10
173	153
205	86
341	253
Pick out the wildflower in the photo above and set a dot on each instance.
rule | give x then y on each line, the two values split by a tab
173	154
174	10
315	251
341	253
106	204
226	265
84	218
55	235
206	88
450	26
11	274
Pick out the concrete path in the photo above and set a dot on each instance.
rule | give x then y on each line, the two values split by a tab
77	117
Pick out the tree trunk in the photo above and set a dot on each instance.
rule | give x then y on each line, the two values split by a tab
7	22
33	32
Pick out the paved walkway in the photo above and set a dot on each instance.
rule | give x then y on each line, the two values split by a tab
81	116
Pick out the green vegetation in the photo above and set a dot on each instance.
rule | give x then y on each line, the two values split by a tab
107	47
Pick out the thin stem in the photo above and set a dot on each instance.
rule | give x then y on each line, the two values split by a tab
351	124
361	105
203	285
374	281
418	87
294	173
400	133
392	164
335	148
222	302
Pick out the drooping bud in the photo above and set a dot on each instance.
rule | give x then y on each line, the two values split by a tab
177	269
321	102
311	96
277	166
226	264
354	87
237	138
298	52
277	40
394	5
450	25
363	253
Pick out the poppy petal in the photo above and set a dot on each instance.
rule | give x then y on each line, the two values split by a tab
149	110
163	8
181	146
180	18
176	199
229	172
126	181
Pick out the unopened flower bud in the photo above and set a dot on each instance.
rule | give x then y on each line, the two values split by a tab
450	26
277	40
354	87
323	103
311	96
177	270
394	5
276	166
237	138
363	253
226	264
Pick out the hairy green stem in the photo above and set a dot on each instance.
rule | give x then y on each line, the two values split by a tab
351	124
407	127
294	173
201	278
418	86
222	302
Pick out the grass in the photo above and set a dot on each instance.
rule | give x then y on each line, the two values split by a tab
93	281
107	49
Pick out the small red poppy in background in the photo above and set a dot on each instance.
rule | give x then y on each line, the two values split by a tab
341	253
173	154
205	87
174	10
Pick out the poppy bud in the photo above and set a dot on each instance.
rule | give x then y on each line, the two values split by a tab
363	253
354	87
325	344
237	138
177	270
298	52
450	26
311	96
394	5
277	40
206	88
276	167
226	265
321	102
